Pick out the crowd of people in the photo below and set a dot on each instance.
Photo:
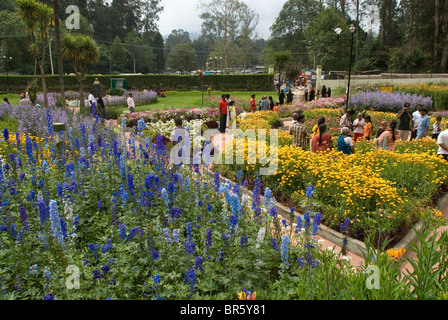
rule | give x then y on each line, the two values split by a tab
406	127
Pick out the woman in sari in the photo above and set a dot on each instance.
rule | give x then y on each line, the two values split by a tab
231	115
322	141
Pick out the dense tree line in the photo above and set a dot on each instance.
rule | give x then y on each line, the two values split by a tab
390	35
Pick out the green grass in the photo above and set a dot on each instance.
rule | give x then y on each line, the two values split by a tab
195	99
12	97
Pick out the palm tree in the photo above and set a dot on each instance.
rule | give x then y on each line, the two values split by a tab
281	60
38	19
82	51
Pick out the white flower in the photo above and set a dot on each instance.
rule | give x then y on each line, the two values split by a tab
260	238
320	242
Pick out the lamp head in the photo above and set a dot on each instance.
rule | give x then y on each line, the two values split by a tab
352	28
338	31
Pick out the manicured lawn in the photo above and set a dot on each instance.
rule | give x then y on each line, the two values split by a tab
190	99
14	98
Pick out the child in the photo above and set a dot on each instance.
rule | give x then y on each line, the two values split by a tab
276	108
368	128
437	127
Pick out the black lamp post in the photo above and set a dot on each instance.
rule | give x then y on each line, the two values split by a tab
7	59
338	32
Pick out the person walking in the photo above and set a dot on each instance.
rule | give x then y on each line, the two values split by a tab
329	92
223	114
281	98
289	97
423	124
437	127
324	91
404	123
359	124
312	94
416	116
253	106
442	142
91	98
300	133
101	107
322	141
345	142
131	103
389	136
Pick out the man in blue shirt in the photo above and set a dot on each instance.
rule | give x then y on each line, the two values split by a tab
423	125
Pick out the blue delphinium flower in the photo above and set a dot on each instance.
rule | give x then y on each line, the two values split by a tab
29	148
23	217
107	246
155	254
299	224
284	251
49	122
198	263
49	296
165	197
316	223
309	191
189	228
208	242
105	269
273	212
33	269
307	219
176	233
256	193
123	231
166	233
191	279
243	240
6	134
55	221
267	198
216	181
97	274
59	189
190	247
274	244
131	183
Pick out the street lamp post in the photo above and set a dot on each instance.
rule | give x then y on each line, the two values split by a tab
7	59
352	31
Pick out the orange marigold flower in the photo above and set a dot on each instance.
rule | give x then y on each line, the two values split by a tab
396	254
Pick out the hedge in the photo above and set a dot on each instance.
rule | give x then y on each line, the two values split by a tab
252	82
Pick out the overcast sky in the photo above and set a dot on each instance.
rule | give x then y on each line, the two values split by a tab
184	14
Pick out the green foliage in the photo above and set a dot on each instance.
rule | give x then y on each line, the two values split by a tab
408	61
250	82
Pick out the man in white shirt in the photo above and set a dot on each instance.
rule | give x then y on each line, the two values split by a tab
91	98
416	116
442	141
131	104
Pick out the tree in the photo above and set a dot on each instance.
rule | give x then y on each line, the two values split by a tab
287	30
281	61
155	41
226	20
38	18
141	53
119	55
330	51
183	58
82	52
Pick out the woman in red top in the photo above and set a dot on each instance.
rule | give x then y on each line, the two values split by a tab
322	141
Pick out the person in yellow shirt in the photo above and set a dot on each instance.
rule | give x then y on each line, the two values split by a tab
316	127
368	128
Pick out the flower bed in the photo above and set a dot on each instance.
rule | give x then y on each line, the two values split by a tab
357	187
167	115
118	221
387	102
